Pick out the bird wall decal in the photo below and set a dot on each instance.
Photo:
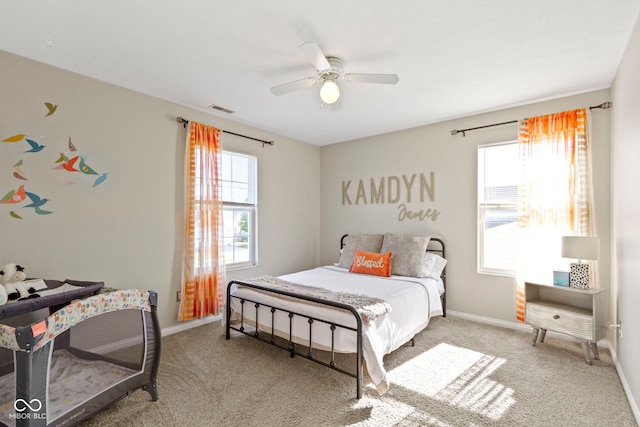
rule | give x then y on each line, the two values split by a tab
84	168
19	173
51	108
35	147
15	138
42	212
63	158
36	201
100	179
14	196
69	165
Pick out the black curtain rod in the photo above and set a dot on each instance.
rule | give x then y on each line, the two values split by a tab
604	106
185	122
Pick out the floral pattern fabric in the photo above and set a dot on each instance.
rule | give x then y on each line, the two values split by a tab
76	312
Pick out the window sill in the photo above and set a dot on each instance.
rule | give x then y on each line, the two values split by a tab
235	267
503	273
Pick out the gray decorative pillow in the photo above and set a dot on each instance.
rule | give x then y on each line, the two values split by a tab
361	242
407	253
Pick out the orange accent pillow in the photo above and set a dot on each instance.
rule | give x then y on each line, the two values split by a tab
371	263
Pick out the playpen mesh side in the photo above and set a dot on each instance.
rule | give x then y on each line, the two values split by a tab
92	361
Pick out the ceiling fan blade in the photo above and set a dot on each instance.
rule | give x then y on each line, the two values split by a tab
389	79
293	86
313	53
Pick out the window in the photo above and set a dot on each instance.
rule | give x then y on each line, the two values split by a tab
498	174
239	197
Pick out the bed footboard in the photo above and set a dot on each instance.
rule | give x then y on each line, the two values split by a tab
288	342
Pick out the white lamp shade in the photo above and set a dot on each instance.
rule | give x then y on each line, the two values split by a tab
580	247
329	92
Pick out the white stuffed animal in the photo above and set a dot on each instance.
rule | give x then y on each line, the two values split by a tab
3	296
12	276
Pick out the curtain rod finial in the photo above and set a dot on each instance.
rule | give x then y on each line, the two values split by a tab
182	120
604	105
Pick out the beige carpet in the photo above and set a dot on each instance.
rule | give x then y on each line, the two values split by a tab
459	373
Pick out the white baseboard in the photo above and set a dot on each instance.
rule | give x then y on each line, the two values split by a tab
190	324
489	321
625	384
527	328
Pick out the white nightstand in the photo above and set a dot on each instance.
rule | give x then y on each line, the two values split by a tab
571	311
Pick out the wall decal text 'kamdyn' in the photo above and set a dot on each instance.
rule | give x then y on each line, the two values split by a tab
394	189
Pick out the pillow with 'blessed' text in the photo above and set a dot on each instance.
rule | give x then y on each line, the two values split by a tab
371	263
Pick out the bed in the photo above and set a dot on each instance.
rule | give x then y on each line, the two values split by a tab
346	307
83	357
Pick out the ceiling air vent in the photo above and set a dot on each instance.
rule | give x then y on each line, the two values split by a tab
219	108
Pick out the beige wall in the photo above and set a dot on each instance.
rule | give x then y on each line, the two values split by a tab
625	140
127	231
452	159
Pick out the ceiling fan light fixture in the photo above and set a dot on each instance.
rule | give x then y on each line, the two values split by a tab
329	92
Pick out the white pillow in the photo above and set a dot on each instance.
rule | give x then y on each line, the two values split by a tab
432	265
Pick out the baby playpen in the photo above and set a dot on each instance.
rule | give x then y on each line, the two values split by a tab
83	357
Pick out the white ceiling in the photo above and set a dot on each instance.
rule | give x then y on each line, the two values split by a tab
454	57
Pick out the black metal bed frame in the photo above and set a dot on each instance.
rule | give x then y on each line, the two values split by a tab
290	346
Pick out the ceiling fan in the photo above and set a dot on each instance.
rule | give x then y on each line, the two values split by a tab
329	70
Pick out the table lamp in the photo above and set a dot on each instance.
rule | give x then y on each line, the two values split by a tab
580	247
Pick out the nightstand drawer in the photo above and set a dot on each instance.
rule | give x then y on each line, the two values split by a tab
555	318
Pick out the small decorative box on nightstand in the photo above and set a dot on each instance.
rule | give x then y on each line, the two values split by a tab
571	311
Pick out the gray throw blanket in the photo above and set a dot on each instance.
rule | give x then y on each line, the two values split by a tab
368	307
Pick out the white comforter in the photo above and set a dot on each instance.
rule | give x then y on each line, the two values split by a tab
413	302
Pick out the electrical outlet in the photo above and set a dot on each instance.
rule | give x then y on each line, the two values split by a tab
178	296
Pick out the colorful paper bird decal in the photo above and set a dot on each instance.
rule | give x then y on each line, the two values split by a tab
71	146
84	168
42	212
15	215
18	173
35	147
15	138
68	165
100	179
52	108
62	158
36	201
14	196
16	167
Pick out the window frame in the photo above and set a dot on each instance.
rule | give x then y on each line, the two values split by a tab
250	207
482	217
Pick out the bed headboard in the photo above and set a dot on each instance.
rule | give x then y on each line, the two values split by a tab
437	246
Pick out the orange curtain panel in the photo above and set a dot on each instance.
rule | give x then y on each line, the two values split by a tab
203	262
554	192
